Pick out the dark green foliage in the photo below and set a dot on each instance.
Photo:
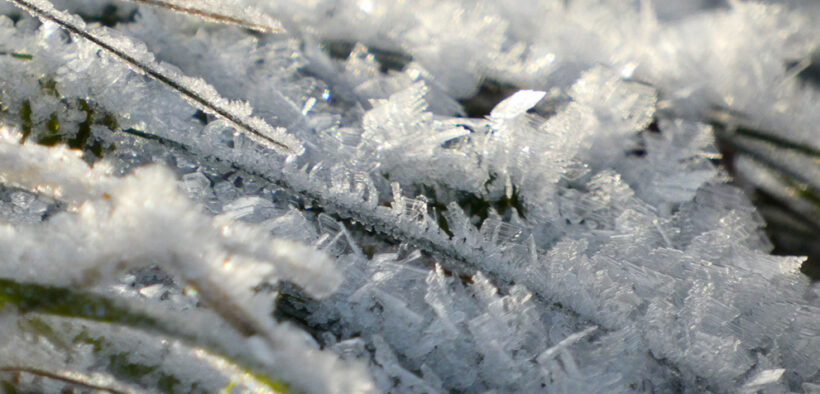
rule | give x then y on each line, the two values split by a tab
84	138
49	86
8	387
30	297
51	136
167	382
36	298
443	225
98	344
84	129
53	132
21	56
25	119
122	367
43	329
473	204
479	206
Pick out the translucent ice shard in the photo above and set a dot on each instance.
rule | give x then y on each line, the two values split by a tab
517	104
764	378
629	102
566	342
196	184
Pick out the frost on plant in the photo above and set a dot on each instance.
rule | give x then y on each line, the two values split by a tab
205	196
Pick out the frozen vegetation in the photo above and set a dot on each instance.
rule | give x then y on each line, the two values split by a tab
311	196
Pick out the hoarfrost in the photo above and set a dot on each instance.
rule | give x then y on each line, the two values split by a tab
314	205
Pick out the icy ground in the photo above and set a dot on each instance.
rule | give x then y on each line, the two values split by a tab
325	195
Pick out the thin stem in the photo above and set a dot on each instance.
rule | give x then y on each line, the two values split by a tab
71	377
212	15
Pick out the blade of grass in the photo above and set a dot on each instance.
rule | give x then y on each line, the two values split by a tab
197	92
265	25
58	301
794	160
729	123
98	382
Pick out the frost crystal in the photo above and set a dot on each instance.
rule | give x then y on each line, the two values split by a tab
517	104
426	196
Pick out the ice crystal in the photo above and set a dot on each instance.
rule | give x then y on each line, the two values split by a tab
219	195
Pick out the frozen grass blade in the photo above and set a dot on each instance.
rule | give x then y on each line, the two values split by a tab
63	302
222	276
796	164
226	12
784	175
97	382
198	92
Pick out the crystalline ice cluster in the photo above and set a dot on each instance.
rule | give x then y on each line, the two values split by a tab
246	195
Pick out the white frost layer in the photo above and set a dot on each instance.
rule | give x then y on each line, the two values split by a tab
121	223
197	91
630	229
